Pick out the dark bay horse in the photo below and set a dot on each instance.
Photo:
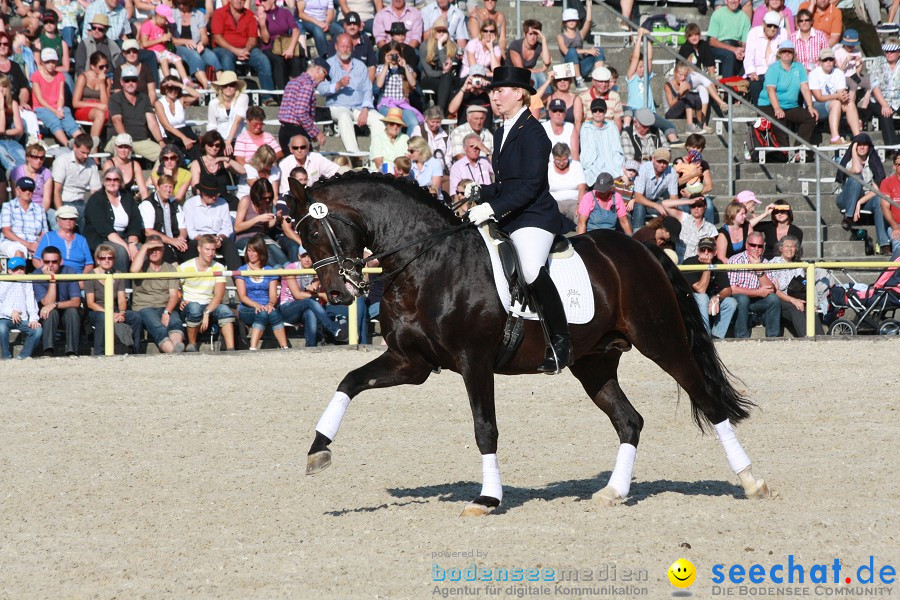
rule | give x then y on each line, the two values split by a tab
441	309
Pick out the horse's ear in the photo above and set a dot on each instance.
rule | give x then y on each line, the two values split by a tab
298	191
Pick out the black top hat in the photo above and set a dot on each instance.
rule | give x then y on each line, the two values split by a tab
208	185
512	77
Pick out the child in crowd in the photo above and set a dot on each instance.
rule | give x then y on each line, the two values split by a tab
154	36
403	168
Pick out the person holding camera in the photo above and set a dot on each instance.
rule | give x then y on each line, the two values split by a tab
396	79
474	92
441	63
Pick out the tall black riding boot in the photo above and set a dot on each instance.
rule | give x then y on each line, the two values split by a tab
544	291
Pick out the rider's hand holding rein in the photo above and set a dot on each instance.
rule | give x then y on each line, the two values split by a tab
481	213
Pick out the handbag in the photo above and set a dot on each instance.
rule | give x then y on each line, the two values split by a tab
282	43
796	287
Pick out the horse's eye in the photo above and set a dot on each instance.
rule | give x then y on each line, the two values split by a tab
315	235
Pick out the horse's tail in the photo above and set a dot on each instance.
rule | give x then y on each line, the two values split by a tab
716	376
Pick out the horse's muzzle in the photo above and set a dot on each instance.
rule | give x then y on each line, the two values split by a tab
343	296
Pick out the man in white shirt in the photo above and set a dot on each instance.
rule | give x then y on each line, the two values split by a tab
472	165
207	214
76	177
828	86
317	166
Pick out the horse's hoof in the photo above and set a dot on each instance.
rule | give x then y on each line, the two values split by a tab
318	462
759	492
473	509
608	496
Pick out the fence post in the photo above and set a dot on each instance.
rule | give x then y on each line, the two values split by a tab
353	322
819	249
811	298
109	308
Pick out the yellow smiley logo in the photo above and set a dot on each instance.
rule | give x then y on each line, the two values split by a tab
682	573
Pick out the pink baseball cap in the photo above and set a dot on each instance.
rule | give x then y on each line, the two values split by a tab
747	196
165	11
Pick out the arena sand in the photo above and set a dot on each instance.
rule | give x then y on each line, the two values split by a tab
156	476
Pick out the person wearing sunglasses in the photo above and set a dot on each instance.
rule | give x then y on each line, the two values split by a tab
483	50
808	41
170	163
33	167
762	50
213	162
95	40
478	21
22	221
112	217
712	289
21	89
317	166
754	291
59	302
91	96
127	325
693	226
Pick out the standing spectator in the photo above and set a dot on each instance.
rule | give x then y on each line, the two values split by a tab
22	221
318	19
18	310
76	253
754	291
91	96
426	170
602	208
808	41
476	116
163	218
559	130
207	214
155	37
59	302
531	52
228	109
483	50
828	87
397	79
297	113
156	300
49	98
761	50
472	165
601	147
95	40
254	136
886	90
131	112
656	182
33	167
390	143
566	180
480	15
191	41
317	166
202	296
259	295
454	20
601	88
127	325
827	18
438	138
75	177
279	39
363	49
785	82
299	303
398	12
348	94
113	219
440	65
693	226
235	36
11	152
862	160
474	92
571	44
727	35
712	290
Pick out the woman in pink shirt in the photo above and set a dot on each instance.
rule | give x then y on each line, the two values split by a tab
154	36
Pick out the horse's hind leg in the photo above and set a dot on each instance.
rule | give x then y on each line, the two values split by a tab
597	374
387	370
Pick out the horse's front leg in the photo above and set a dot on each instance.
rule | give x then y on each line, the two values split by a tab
480	387
387	370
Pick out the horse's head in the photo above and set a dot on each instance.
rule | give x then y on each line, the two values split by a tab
333	235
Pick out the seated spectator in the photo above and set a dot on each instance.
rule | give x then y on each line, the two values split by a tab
693	226
91	96
398	33
571	43
808	42
279	40
793	310
47	85
156	300
112	218
76	253
163	219
785	15
478	20
348	94
146	78
754	291
426	170
886	90
440	66
862	160
214	162
642	137
733	233
297	113
785	82
890	187
712	290
202	296
566	180
438	138
474	92
317	166
259	295
260	166
228	109
460	204
602	89
96	40
476	116
19	89
563	90
11	152
685	101
170	161
472	165
154	36
131	112
33	166
75	177
602	208
317	18
235	36
849	59
396	79
256	219
398	12
255	136
18	311
127	325
456	22
363	47
697	51
483	50
70	13
191	41
531	52
780	225
22	222
299	304
601	146
403	168
558	129
207	214
132	174
727	34
828	87
389	144
761	50
59	302
169	109
50	38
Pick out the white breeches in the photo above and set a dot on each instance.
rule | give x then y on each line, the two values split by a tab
533	245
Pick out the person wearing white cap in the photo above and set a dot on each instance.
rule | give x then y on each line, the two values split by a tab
776	6
49	98
476	117
828	87
571	44
762	50
785	83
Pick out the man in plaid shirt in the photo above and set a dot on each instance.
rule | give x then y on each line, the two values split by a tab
754	291
22	222
298	106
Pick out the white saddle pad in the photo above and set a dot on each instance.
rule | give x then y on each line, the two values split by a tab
571	279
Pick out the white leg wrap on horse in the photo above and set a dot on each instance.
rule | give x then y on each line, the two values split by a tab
330	421
620	480
737	458
490	477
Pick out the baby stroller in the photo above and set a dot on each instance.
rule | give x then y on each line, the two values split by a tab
874	306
